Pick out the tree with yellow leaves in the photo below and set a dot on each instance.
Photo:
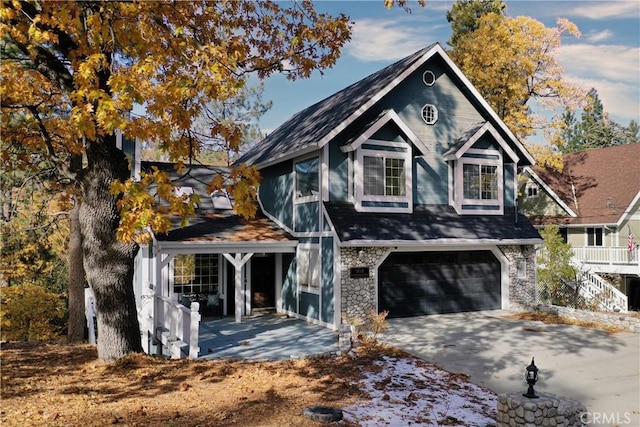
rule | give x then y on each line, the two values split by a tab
512	62
73	71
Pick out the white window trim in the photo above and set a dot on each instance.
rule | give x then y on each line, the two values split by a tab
359	175
316	273
314	197
460	201
424	80
435	114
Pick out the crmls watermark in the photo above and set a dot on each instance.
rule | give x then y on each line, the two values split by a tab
606	418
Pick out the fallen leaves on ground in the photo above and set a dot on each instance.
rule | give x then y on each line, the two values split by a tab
62	385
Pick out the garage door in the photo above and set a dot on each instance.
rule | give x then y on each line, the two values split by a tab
417	283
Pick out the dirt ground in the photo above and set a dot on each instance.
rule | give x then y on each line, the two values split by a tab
65	385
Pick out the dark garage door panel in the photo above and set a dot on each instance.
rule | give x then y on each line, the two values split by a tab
413	284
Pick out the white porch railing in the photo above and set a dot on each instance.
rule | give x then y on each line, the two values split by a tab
176	327
595	288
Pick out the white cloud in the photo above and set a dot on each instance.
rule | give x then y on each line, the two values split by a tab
612	70
603	35
606	9
386	39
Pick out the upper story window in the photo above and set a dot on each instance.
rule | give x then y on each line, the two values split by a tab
383	176
429	78
429	114
531	190
594	236
307	179
480	182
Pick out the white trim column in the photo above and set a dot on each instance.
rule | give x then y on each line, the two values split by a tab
238	260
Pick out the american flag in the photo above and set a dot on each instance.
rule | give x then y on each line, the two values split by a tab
630	241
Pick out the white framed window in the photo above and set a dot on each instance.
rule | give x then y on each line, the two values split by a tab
521	269
480	181
428	78
594	236
308	267
307	179
476	183
429	114
531	190
196	273
384	176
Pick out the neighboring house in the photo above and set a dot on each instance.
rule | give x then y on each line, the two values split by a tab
596	202
397	193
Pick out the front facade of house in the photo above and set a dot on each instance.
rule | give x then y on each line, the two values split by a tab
595	201
397	193
400	191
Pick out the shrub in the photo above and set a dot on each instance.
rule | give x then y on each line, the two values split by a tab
28	313
367	331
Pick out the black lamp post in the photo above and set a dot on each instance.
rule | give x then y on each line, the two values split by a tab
531	375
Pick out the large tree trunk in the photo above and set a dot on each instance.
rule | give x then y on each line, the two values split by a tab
75	329
108	262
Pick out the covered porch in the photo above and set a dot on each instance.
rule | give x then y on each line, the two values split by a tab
225	266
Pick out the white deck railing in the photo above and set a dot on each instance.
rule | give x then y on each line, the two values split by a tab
176	327
614	255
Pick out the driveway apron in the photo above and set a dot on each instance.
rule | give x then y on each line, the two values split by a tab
591	366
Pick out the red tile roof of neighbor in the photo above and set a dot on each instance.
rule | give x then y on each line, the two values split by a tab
598	185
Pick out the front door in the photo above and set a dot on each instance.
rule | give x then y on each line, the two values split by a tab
263	284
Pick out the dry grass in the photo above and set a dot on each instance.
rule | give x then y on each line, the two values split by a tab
555	319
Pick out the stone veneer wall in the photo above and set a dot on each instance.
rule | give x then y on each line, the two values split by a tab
358	296
515	410
521	290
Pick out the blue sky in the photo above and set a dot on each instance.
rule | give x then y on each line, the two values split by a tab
606	57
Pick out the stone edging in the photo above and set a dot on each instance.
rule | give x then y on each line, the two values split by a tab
620	320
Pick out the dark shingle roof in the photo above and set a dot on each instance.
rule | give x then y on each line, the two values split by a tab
605	180
310	125
427	222
209	225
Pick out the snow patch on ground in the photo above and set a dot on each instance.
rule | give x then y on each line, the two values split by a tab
411	392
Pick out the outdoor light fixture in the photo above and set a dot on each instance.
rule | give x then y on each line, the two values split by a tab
531	375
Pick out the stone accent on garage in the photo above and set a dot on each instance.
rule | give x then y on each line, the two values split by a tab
358	295
522	290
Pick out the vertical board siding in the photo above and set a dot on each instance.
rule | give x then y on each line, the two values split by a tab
326	281
509	184
309	304
289	287
338	174
307	217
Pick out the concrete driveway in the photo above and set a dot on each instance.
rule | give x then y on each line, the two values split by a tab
598	369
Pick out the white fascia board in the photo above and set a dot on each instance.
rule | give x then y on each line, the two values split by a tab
441	242
389	115
290	156
629	211
549	191
219	247
487	127
395	82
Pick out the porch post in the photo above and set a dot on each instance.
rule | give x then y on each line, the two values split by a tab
238	261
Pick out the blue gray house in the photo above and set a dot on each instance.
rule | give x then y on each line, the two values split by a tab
396	193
